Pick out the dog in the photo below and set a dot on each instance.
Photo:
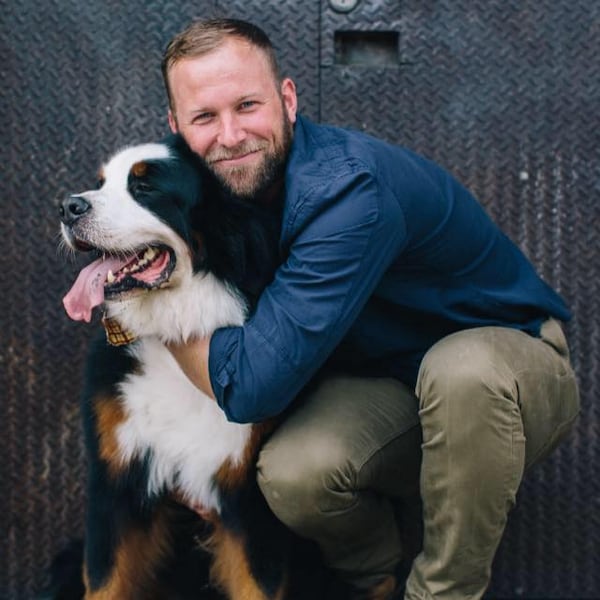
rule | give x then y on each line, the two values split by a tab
171	481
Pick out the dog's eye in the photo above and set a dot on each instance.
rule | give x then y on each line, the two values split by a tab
99	183
140	186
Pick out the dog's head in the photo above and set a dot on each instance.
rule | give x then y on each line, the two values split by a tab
138	222
159	226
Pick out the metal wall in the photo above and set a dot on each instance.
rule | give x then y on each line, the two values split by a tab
504	94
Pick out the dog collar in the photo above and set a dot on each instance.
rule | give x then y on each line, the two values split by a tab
115	334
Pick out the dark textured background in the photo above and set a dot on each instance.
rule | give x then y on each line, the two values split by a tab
504	94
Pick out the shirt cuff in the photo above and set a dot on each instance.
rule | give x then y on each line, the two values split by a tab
223	344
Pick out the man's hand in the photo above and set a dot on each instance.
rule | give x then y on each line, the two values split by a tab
192	357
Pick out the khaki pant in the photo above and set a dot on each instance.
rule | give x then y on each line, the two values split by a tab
490	401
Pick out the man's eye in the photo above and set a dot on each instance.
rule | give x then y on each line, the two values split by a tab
248	104
202	118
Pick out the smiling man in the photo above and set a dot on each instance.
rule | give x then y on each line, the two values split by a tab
232	111
443	369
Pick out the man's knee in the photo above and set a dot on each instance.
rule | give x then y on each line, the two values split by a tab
349	433
467	370
302	483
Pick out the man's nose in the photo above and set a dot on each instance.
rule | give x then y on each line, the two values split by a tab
231	132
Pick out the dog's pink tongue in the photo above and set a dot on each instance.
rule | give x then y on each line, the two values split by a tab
88	290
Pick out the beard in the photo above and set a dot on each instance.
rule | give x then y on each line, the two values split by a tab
253	181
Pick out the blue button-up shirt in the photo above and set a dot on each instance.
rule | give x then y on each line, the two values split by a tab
385	254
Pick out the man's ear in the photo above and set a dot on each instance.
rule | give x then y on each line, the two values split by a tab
172	122
290	100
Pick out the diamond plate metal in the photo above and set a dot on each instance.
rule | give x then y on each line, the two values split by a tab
504	94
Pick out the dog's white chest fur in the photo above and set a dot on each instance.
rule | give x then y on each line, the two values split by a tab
182	432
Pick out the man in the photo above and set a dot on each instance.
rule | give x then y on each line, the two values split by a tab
393	277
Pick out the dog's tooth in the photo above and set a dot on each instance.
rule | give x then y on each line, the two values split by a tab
149	254
110	277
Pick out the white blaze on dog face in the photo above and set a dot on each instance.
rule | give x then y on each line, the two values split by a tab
116	219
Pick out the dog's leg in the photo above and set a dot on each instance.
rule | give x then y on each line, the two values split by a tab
250	547
134	562
127	534
231	570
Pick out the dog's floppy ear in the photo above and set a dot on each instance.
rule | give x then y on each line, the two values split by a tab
199	185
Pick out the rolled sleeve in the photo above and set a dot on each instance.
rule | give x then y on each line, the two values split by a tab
344	243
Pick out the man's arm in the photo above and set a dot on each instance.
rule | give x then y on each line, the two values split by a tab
192	357
344	245
346	233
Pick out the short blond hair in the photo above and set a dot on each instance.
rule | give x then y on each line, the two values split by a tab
203	36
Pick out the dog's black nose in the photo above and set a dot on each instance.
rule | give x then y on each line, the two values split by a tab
72	208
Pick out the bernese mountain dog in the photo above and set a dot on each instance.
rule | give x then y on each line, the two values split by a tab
170	480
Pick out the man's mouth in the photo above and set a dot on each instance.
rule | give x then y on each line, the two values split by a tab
112	276
246	151
233	161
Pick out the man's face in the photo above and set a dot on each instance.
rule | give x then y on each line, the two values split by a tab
228	106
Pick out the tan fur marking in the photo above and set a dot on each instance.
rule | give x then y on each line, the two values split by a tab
86	581
137	559
139	169
230	570
231	475
109	415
